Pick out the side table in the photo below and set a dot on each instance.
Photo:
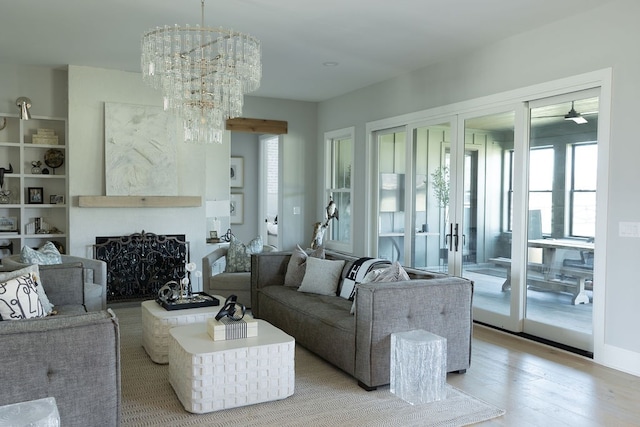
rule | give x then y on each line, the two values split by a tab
212	375
36	413
418	370
156	323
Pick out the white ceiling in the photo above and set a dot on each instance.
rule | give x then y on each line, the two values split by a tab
371	40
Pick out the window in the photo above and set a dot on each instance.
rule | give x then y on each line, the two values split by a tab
541	167
339	165
582	193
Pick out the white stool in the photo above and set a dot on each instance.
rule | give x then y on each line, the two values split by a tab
418	366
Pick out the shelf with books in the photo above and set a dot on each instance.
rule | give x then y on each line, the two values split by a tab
35	152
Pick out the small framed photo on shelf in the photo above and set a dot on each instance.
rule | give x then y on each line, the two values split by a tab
56	199
236	208
35	195
236	177
8	224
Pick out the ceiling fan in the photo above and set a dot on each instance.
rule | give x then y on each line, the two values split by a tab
573	115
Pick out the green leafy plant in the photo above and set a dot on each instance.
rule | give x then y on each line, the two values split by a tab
440	183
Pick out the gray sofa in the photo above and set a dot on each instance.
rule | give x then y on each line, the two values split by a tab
73	356
94	293
359	343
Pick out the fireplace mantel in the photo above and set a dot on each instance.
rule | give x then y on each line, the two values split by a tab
139	201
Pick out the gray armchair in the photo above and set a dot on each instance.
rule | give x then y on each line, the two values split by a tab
217	282
95	278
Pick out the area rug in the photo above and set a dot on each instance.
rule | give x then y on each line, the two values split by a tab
324	396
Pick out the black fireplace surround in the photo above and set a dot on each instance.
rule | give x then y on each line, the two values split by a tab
138	265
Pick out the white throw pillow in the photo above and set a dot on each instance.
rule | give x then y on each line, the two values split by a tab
34	271
298	265
322	276
19	299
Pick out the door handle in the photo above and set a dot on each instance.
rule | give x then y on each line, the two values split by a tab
456	237
448	237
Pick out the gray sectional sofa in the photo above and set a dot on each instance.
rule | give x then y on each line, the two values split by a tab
359	343
73	356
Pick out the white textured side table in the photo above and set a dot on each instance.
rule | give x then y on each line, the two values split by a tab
35	413
156	322
418	370
212	375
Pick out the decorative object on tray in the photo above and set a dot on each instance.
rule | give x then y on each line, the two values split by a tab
177	296
35	167
331	212
54	158
197	300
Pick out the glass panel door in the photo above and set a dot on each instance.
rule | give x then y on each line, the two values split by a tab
561	196
486	212
391	194
431	157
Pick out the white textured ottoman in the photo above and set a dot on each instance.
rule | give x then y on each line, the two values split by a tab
211	375
156	322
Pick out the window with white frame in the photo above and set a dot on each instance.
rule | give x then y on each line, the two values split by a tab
338	186
582	189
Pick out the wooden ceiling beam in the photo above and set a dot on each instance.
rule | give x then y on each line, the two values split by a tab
271	127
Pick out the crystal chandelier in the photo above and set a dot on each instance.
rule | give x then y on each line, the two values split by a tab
203	74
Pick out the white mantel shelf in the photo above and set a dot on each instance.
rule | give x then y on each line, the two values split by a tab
139	201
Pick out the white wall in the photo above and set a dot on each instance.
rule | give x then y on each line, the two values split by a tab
298	183
89	89
203	170
600	38
246	145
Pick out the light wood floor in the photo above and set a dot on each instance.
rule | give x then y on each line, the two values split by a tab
540	385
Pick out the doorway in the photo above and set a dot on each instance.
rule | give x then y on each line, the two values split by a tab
269	189
505	196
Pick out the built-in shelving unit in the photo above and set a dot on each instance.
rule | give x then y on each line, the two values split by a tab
48	205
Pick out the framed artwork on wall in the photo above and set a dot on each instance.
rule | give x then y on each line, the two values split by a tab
236	178
236	208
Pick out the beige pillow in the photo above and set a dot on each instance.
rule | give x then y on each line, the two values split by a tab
322	276
298	265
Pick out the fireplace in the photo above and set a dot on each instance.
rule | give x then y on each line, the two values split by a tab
140	263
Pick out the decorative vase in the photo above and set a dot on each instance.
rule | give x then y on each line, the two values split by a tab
5	197
36	170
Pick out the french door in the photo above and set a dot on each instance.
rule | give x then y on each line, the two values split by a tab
505	197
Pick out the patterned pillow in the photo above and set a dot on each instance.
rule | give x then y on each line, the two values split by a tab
321	276
239	254
48	254
393	273
34	272
298	265
19	299
356	272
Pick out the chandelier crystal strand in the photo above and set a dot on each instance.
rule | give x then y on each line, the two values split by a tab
203	74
